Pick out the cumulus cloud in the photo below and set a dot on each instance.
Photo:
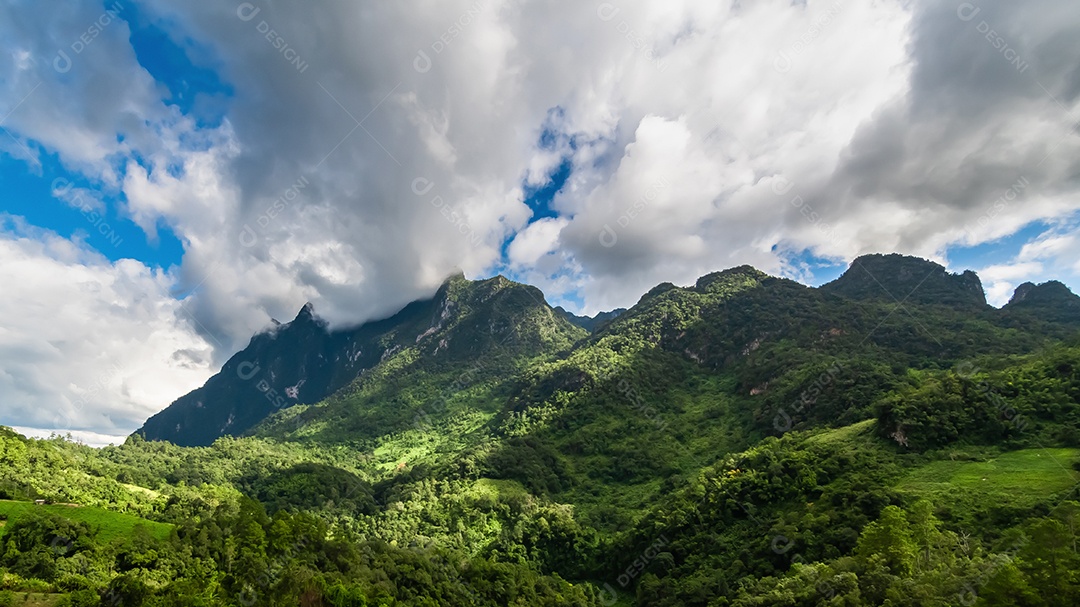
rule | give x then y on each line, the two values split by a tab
1053	255
88	346
414	147
371	148
534	242
984	140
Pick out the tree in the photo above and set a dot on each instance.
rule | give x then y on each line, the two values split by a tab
1049	562
1068	512
924	532
890	537
1006	586
127	590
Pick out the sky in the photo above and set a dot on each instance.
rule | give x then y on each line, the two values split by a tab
175	174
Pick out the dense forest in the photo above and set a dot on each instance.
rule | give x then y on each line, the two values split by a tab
886	439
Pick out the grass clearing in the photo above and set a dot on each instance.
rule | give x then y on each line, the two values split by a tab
858	432
1016	478
496	489
110	525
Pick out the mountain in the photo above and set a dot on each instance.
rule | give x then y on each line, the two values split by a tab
439	354
303	362
899	278
1051	301
590	323
745	441
685	374
1047	295
466	366
298	362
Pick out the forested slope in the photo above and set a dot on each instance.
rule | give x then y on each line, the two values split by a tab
743	441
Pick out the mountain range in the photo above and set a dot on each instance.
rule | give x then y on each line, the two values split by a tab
494	328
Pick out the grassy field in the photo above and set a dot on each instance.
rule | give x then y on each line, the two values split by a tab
110	525
1014	478
35	599
496	488
861	432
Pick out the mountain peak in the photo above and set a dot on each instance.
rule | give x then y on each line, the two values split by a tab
305	361
1047	292
903	278
458	275
1048	302
307	316
656	291
743	272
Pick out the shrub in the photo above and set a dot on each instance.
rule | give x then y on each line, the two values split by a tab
80	598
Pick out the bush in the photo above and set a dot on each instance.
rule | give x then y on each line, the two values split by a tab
80	598
7	598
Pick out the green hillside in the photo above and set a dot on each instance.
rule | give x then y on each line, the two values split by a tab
743	441
109	525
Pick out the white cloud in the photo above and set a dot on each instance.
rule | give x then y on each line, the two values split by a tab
92	439
1061	247
88	345
1014	271
1052	255
535	241
999	281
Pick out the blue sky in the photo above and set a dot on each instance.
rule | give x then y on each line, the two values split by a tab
197	91
29	193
